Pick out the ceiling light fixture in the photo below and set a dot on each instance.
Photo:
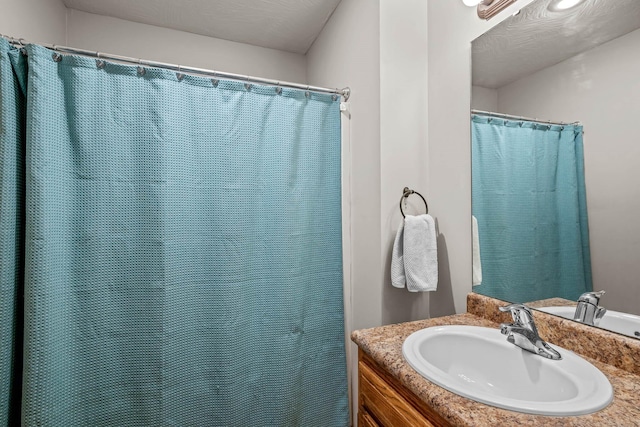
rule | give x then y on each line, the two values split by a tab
559	5
490	8
471	3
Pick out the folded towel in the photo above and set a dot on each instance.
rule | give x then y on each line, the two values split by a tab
398	278
414	259
477	265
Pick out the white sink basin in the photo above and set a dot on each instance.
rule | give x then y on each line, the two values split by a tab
479	363
622	323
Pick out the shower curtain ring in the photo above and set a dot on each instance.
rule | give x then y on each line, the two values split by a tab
56	56
247	85
23	48
141	70
307	93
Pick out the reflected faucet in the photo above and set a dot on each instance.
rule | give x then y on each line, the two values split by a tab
523	332
588	311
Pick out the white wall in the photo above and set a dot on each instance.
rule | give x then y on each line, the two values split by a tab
41	21
347	53
379	49
451	28
601	89
484	99
112	35
403	140
50	22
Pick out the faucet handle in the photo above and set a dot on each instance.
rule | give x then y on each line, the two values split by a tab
591	297
600	312
521	313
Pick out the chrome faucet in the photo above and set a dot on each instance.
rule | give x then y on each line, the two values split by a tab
523	332
588	311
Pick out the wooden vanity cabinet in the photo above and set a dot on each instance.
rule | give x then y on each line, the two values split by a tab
384	402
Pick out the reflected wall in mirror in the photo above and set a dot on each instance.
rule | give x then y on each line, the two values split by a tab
556	165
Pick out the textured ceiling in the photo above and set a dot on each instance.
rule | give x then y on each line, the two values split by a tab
538	38
289	25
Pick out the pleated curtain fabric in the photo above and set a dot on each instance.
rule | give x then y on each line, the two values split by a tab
529	198
12	124
183	254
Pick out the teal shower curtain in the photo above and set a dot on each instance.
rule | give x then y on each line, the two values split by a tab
529	199
183	261
12	116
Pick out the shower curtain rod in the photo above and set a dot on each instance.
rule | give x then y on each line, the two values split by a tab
345	92
529	119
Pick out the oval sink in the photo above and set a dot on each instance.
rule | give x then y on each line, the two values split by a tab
622	323
479	363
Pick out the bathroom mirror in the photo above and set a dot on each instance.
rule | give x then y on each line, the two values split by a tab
565	85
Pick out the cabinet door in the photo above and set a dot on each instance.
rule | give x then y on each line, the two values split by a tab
387	402
365	420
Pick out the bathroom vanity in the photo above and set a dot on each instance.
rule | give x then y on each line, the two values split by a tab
384	401
392	393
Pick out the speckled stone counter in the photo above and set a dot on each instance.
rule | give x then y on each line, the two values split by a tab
551	302
384	345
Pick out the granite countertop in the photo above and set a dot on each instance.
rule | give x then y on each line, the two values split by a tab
384	345
551	302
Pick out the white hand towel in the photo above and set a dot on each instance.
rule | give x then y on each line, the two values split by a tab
420	253
477	264
397	259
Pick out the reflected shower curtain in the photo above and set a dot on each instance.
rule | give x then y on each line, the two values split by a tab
183	250
529	199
